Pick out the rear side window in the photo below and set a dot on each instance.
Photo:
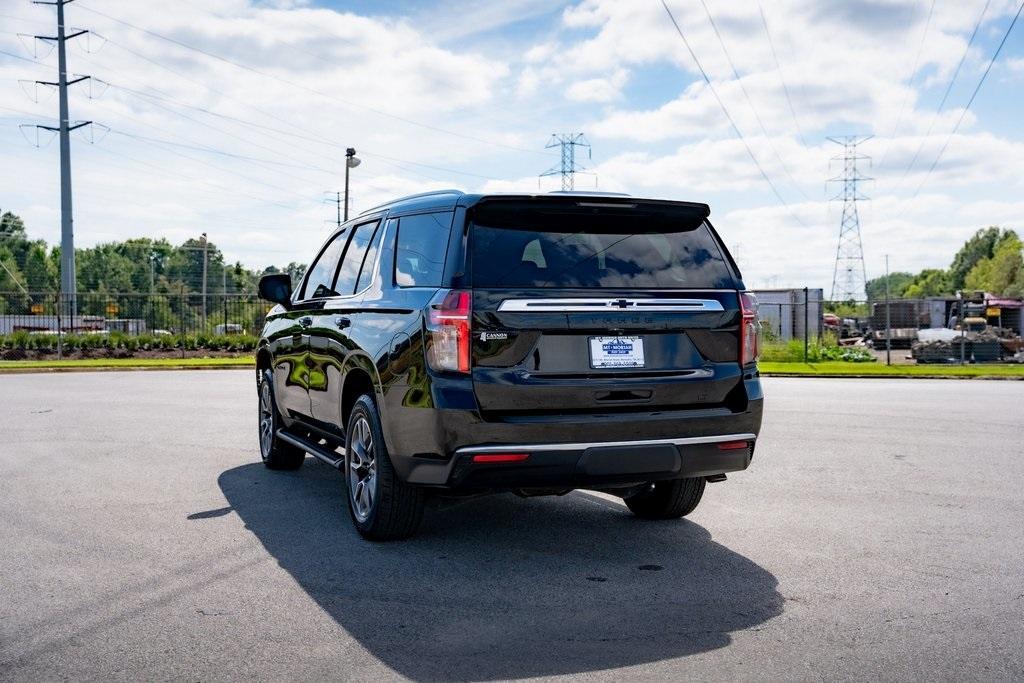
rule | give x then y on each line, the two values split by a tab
586	251
320	282
420	249
369	261
353	261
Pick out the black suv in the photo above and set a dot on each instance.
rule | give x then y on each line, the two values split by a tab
457	344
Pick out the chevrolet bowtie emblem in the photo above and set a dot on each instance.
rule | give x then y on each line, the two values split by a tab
620	303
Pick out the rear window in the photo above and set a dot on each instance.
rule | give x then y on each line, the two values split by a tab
588	251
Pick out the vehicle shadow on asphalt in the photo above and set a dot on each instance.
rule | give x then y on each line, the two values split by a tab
502	587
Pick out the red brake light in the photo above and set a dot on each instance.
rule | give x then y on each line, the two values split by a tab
448	326
732	445
501	457
750	330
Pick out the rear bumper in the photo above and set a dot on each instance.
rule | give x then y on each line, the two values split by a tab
596	464
434	446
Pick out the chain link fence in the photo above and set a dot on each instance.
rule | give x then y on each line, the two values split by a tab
132	314
971	328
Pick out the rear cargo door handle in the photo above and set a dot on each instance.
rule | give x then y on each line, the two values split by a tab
341	322
306	321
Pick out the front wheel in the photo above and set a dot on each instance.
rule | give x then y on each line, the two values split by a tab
667	499
383	507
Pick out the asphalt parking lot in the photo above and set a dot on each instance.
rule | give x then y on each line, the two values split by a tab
878	535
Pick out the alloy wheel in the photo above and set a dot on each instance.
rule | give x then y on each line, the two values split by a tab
266	420
362	469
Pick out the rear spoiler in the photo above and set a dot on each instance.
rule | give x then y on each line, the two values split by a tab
652	214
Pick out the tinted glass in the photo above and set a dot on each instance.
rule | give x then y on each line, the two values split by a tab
421	248
366	274
353	261
321	274
578	255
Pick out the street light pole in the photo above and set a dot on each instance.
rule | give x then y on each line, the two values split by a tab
351	161
205	247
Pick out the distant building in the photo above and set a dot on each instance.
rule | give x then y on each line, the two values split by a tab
781	312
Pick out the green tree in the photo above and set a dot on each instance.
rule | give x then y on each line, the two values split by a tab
981	245
898	281
1000	274
929	282
11	226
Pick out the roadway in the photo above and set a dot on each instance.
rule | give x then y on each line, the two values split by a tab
877	535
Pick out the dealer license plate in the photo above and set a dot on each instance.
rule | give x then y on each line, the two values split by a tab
616	352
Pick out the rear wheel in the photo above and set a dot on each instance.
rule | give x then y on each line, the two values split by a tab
383	507
667	499
276	454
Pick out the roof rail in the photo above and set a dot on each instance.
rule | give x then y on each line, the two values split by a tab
413	196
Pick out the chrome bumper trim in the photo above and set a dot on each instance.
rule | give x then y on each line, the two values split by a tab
580	446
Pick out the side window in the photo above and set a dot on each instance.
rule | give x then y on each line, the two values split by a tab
353	261
370	260
321	273
421	248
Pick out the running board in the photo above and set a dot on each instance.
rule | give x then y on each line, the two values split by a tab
318	452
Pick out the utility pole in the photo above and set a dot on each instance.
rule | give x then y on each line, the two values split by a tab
888	327
68	283
337	200
849	276
567	142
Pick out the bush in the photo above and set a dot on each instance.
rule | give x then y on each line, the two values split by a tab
793	352
125	343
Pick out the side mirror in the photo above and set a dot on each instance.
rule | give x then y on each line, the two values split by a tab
276	287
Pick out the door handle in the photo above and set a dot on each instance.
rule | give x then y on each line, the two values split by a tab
342	322
306	321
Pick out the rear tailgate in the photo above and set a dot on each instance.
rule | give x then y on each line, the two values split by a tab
555	329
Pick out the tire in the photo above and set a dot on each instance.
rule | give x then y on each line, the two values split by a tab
383	507
668	499
276	454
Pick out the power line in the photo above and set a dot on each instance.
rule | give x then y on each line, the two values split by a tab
314	137
298	163
299	86
910	82
949	88
750	101
782	77
14	56
725	111
974	94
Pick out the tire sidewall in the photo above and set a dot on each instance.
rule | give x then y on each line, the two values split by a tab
365	407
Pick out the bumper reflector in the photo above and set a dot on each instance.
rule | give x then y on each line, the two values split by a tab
500	457
732	445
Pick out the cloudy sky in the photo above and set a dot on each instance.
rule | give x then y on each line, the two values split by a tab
231	116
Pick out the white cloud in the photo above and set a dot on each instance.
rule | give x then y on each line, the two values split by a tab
601	89
846	66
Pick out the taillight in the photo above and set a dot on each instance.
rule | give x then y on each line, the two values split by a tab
750	330
448	331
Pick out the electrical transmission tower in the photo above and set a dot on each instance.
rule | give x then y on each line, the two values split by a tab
68	284
849	276
567	169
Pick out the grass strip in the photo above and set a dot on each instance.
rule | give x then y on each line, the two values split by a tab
125	364
841	369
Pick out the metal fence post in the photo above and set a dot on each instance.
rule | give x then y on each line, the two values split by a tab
806	322
60	345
